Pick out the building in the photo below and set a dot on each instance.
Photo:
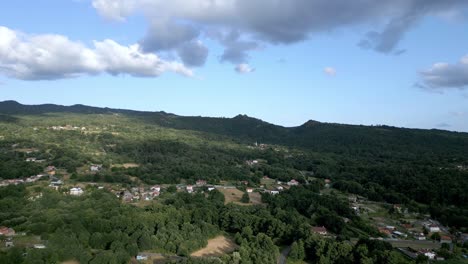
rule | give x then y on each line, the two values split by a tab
420	236
428	253
189	188
5	231
249	190
433	228
30	159
77	191
156	188
445	239
201	183
211	188
385	231
293	183
273	192
280	188
95	167
39	246
321	230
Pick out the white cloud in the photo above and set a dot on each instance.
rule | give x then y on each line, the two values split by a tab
330	71
290	21
244	68
442	75
48	57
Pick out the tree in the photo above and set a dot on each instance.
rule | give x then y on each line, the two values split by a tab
245	198
297	251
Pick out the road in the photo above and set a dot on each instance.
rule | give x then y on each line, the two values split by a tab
284	255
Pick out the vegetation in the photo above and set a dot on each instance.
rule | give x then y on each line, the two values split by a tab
423	170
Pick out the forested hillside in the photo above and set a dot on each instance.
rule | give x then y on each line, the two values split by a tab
126	152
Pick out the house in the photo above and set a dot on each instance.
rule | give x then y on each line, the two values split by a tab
445	239
280	188
5	231
390	227
189	188
50	170
201	183
77	191
321	230
400	234
384	231
154	194
9	243
420	236
433	228
327	183
249	190
293	183
211	188
156	188
273	192
428	253
39	246
30	159
127	196
95	167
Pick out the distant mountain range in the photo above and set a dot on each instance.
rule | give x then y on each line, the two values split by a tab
313	135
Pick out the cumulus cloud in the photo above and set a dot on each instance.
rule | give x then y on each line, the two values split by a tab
330	71
289	21
244	68
193	53
49	57
441	76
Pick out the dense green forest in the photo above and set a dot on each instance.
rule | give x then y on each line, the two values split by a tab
424	170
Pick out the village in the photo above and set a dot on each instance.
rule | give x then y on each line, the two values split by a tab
410	233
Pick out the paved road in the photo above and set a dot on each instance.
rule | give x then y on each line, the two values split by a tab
284	255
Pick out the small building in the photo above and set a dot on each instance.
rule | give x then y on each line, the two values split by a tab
384	231
77	191
428	253
433	228
200	183
280	188
141	257
400	234
321	230
420	236
273	192
6	231
95	167
293	183
9	243
249	190
445	239
156	188
39	246
211	188
189	188
30	159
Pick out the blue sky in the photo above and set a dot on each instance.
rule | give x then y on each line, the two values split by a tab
281	55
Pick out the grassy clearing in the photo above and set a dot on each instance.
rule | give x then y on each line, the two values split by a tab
232	195
216	247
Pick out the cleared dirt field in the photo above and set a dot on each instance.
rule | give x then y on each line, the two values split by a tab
216	247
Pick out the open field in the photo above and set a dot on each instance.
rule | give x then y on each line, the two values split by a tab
126	165
217	246
255	198
231	195
414	244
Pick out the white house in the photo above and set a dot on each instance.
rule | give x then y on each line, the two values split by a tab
189	188
433	228
95	167
273	192
293	183
156	188
427	253
249	190
76	191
